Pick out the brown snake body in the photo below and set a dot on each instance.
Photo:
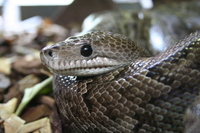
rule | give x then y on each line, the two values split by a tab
146	94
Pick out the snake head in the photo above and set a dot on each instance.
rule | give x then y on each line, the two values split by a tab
91	54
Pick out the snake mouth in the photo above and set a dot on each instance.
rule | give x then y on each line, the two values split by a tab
83	72
91	67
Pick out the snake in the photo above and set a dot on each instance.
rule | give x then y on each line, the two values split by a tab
106	83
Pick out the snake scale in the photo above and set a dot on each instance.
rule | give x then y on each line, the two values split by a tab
104	82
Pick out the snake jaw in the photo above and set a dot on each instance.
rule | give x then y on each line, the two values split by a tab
85	72
84	67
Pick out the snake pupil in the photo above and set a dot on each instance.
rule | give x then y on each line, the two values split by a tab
86	50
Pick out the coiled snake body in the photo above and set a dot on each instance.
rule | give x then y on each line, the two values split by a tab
104	82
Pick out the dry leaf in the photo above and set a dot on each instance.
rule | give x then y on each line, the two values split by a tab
36	112
42	125
28	82
13	123
47	100
4	82
7	109
5	66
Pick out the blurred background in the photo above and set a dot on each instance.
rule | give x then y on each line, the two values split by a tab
68	13
26	16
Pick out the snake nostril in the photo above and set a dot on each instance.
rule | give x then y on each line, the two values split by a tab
50	53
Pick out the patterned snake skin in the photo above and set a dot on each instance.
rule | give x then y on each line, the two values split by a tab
146	94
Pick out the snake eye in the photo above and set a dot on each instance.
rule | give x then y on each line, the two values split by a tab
86	50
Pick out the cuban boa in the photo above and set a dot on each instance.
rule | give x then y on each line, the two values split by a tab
104	82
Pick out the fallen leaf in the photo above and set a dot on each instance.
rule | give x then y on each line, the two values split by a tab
6	65
13	123
4	82
18	88
7	109
47	100
36	112
42	125
28	82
